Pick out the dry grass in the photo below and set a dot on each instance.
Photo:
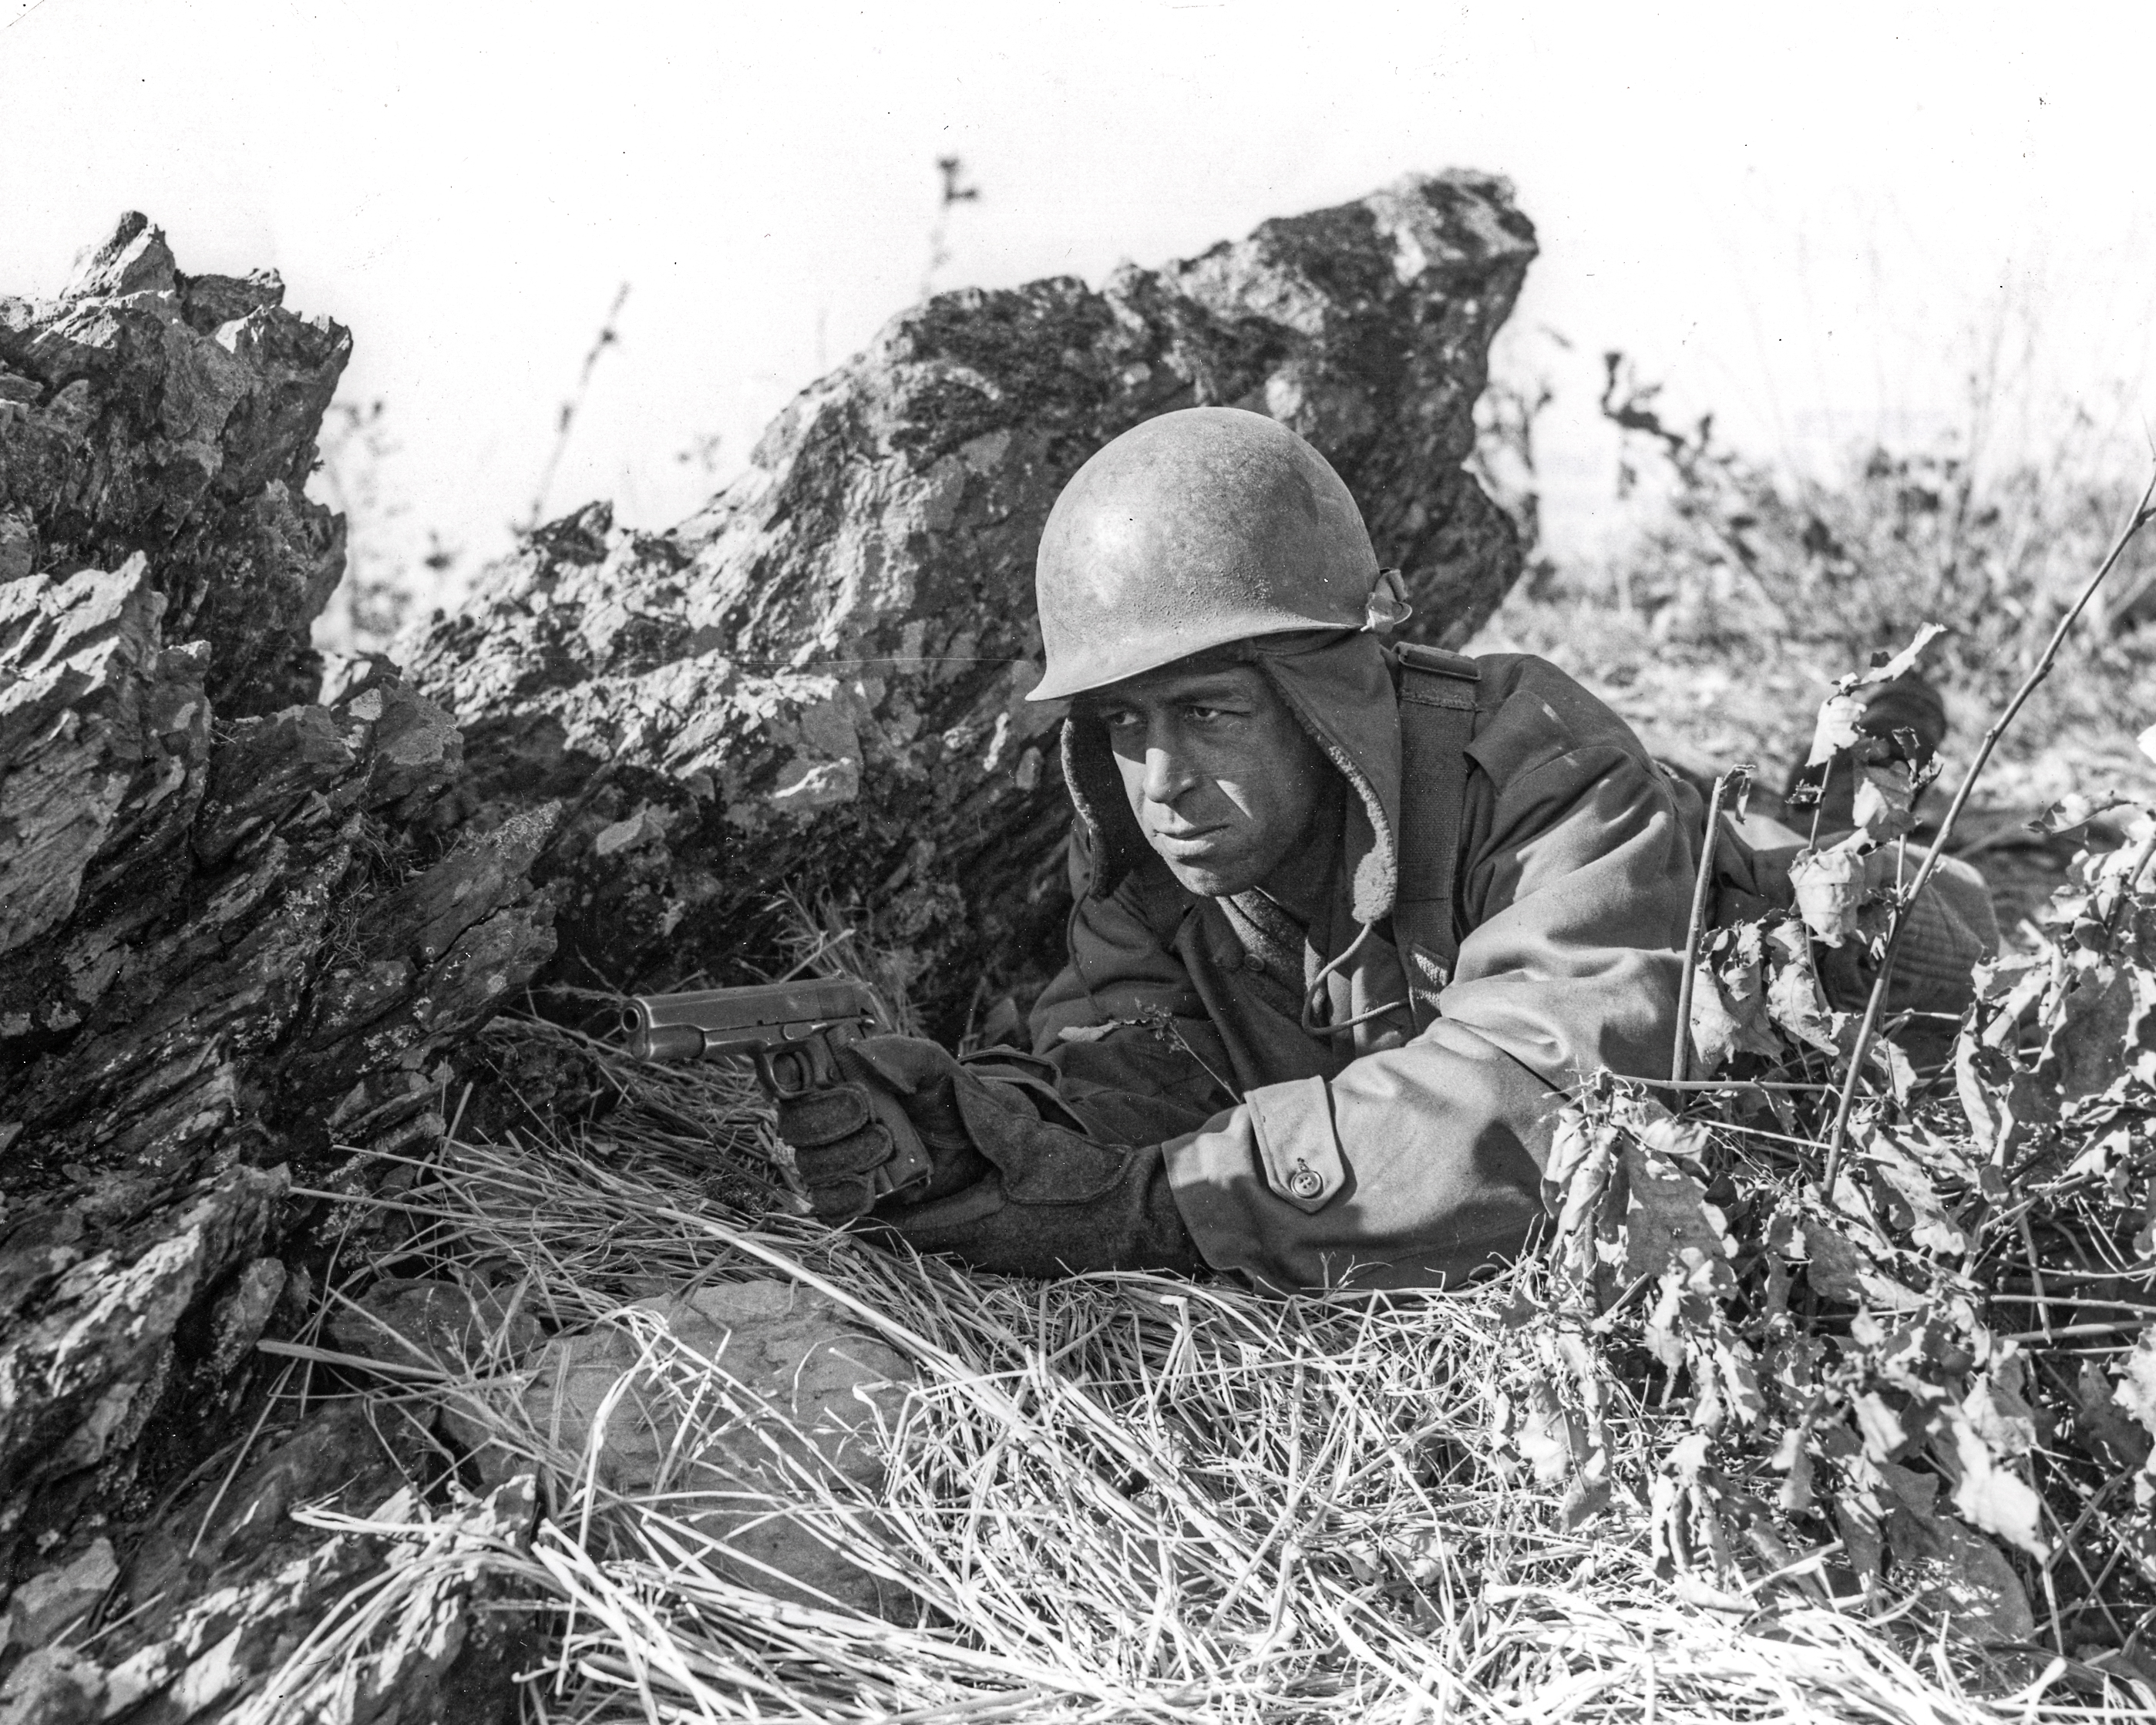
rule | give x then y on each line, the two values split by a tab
1114	1497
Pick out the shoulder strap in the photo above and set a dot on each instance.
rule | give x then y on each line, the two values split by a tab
1437	722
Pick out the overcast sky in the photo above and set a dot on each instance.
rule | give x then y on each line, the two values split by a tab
1814	220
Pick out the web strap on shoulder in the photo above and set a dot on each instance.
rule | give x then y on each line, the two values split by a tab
1437	697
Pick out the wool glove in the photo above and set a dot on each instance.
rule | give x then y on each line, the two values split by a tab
1052	1202
890	1126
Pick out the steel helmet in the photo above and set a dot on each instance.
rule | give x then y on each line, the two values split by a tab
1191	530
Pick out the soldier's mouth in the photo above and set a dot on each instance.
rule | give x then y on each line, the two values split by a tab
1195	841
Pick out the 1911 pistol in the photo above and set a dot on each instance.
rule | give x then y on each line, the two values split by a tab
789	1029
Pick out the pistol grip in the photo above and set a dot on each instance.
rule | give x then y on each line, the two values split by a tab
793	1069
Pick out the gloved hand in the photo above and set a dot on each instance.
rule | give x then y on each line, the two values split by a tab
1054	1202
890	1126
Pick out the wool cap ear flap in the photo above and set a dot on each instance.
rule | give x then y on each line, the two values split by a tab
1096	793
1340	689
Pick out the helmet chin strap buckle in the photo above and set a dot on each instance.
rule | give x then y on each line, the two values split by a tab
1389	606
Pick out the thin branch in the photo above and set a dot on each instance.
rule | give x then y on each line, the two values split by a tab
1682	1049
606	338
1866	1031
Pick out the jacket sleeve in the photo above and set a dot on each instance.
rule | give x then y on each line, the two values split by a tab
1422	1163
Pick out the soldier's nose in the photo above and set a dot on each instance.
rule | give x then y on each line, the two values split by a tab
1167	776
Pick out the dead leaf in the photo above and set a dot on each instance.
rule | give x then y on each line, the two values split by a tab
1670	1225
2077	809
2001	1101
1981	1075
1545	1437
1830	886
1792	1457
1836	729
1884	797
2098	1419
1901	663
1739	1377
1970	1583
1840	1271
1858	1524
1996	1408
1729	1014
1585	1497
1895	1066
1576	1187
1912	1202
1880	1426
1718	1034
2103	1020
1995	1498
1916	1493
2137	1381
1794	999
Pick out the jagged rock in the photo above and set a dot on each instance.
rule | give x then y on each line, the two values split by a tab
816	684
97	717
90	1315
429	1651
228	951
145	410
271	970
54	1601
207	1543
236	936
722	1383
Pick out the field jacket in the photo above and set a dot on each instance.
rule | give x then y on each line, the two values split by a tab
1405	1150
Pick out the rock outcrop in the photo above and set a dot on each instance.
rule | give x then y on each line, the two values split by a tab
228	952
817	683
176	415
236	943
268	1632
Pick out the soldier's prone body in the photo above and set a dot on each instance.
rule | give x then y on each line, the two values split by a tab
1350	918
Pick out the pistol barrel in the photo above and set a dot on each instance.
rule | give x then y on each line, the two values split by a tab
666	1042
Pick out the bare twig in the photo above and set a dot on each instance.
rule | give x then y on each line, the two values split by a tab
1714	1084
1681	1051
955	190
606	338
1868	1029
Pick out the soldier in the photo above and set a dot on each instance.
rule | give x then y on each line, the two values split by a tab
1350	918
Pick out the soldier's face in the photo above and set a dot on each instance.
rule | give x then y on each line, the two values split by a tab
1224	783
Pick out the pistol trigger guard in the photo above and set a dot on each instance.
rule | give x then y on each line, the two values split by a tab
794	1067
